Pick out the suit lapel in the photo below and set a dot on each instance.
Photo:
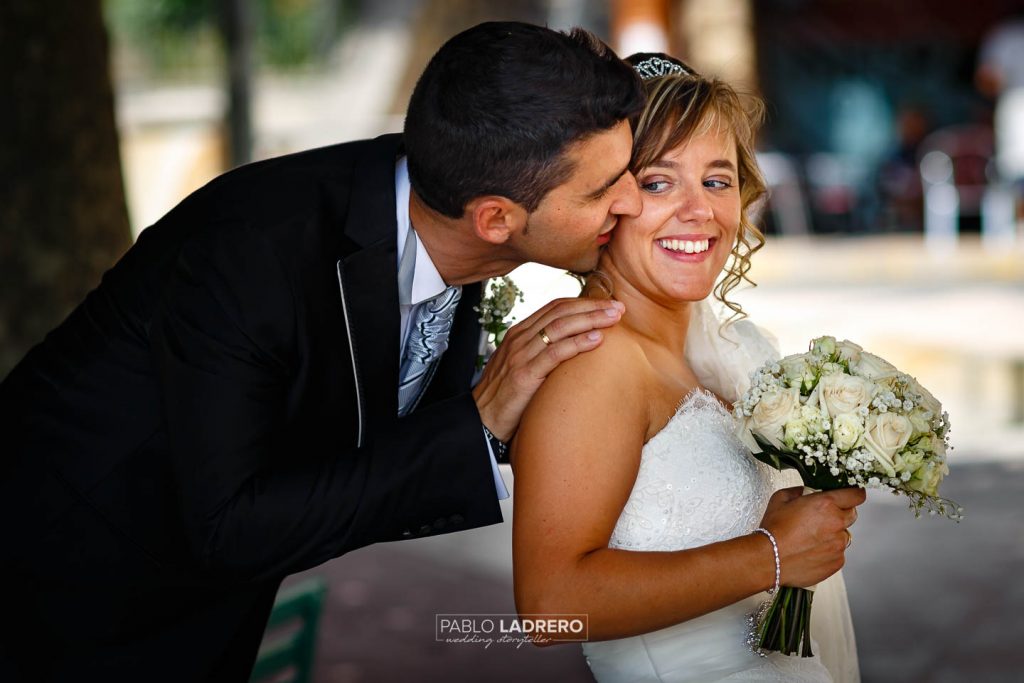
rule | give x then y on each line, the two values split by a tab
369	291
368	285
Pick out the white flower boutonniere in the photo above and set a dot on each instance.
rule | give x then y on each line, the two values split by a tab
500	296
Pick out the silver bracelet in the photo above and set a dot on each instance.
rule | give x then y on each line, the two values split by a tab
775	550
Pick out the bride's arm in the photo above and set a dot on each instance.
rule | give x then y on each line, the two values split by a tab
577	455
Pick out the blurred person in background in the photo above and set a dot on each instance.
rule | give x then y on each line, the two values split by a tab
635	502
1000	74
898	180
278	372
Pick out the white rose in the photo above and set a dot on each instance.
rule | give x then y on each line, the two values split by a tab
831	369
921	421
809	413
907	461
795	431
928	402
795	370
928	477
886	434
823	346
841	393
773	411
874	368
849	351
847	430
931	444
798	372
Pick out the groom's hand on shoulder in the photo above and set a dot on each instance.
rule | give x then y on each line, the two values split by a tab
531	350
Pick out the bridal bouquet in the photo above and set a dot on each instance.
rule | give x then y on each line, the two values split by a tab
841	417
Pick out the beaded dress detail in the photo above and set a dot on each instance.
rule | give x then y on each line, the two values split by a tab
696	484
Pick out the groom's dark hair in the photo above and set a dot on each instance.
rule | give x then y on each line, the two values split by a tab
499	104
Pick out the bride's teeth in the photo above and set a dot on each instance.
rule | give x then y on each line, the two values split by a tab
685	246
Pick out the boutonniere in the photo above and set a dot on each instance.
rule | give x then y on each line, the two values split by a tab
495	308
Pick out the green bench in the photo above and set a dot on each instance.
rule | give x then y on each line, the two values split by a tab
289	644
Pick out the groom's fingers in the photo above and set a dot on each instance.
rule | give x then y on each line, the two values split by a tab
533	348
566	330
557	332
568	323
563	318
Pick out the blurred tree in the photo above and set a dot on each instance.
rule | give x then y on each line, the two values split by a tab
287	33
175	37
236	28
63	219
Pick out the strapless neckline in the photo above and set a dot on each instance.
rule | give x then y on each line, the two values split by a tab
697	484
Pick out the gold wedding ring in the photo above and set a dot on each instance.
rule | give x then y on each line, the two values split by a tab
544	337
849	537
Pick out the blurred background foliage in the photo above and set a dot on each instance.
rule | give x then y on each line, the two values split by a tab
177	38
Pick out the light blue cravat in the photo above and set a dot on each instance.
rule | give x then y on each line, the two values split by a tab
428	339
428	334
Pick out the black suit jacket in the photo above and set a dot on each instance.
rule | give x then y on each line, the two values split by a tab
221	412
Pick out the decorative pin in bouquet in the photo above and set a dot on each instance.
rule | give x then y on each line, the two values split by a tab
841	416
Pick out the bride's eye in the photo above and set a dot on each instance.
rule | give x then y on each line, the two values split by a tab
717	183
654	186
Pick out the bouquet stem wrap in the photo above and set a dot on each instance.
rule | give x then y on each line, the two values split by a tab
783	624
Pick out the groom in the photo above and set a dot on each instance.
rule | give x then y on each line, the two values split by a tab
278	372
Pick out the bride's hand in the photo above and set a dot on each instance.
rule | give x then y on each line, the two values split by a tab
811	531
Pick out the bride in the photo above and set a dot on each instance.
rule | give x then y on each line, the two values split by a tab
635	503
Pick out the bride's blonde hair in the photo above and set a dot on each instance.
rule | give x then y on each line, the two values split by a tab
683	104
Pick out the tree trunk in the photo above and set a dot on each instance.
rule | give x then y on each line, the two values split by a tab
236	27
63	218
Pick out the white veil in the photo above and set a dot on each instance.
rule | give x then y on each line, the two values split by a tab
724	365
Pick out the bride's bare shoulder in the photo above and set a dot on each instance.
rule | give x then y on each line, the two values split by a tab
614	374
587	422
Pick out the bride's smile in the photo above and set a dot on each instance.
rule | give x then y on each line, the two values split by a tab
695	245
678	245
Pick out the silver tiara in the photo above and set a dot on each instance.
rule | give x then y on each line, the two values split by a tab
652	67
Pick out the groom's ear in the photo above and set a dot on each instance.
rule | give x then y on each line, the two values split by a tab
496	218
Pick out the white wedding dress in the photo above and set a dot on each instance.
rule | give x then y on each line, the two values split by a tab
697	484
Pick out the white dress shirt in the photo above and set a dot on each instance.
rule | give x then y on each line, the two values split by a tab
426	284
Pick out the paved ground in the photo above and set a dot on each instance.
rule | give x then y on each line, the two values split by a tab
933	601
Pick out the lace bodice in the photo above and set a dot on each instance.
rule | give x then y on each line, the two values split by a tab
697	483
